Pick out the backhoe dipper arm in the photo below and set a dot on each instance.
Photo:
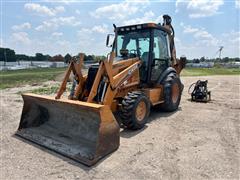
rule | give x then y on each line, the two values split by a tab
167	23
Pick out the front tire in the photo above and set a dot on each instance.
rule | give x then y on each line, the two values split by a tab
135	110
172	93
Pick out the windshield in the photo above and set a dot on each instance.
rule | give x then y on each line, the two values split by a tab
133	44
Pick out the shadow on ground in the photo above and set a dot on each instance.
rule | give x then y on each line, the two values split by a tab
155	114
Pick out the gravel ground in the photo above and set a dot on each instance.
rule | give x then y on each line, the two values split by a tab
199	141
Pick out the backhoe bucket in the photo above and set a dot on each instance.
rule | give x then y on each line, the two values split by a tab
85	132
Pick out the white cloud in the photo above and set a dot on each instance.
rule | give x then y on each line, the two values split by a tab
201	35
189	29
25	25
177	40
237	4
1	42
54	23
121	10
64	44
59	9
77	12
100	28
43	10
88	43
85	33
21	37
60	1
203	43
231	43
47	26
233	37
57	34
201	8
147	17
71	20
178	2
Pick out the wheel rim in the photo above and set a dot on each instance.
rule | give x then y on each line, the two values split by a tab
175	92
141	111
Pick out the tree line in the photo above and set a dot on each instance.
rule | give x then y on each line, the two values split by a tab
222	60
9	55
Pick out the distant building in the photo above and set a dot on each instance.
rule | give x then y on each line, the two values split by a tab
28	65
201	65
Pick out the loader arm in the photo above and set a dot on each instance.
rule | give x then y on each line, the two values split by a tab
118	80
114	81
76	69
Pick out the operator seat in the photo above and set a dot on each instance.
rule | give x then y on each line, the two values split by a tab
144	58
144	67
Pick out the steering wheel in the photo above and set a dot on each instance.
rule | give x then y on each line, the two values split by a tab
134	51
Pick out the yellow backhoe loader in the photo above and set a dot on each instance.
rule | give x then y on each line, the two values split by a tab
141	71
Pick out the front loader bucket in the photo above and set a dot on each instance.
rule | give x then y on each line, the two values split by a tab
85	132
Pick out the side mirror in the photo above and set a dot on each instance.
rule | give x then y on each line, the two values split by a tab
110	40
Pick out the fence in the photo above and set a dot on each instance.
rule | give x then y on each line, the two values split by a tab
29	65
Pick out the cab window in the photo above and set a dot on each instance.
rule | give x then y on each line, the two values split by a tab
160	54
135	44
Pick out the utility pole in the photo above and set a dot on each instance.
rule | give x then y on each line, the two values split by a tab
220	51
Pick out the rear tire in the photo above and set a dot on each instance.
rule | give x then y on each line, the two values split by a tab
172	93
135	110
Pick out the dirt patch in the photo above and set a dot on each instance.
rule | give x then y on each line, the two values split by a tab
199	141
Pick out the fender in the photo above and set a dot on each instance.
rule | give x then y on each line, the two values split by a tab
165	73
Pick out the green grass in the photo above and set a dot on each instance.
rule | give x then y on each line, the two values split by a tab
46	90
43	90
210	71
18	78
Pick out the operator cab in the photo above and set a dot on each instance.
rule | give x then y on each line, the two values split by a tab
147	41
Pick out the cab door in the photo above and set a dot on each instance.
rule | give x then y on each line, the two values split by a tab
161	56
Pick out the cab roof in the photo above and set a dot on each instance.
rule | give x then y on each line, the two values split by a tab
142	26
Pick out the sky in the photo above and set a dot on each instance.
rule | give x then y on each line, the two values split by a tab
59	26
